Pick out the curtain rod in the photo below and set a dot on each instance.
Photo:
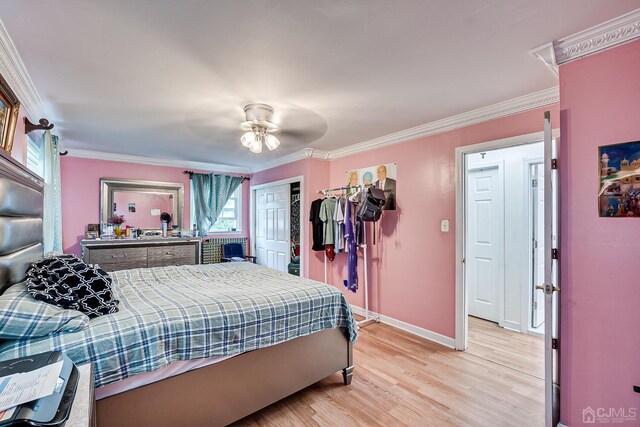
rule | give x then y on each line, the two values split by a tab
43	124
190	173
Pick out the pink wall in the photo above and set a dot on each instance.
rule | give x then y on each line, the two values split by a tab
412	267
81	193
144	203
600	298
316	177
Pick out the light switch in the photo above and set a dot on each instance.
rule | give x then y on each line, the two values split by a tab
444	225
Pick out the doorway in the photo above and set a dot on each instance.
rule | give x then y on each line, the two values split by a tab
538	180
504	204
276	230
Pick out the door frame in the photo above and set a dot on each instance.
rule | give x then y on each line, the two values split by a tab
461	309
252	215
501	237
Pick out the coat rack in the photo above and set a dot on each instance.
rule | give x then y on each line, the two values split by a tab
368	318
43	124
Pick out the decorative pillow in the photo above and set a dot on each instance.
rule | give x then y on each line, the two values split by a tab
21	316
68	282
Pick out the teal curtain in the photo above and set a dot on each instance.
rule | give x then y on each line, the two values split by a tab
52	215
210	194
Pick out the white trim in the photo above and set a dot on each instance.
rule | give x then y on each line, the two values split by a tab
305	153
547	54
416	330
600	37
502	109
13	70
460	166
127	158
252	215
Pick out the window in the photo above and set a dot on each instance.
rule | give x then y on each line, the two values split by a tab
35	156
230	219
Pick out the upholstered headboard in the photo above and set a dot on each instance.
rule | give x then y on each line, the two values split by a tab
21	206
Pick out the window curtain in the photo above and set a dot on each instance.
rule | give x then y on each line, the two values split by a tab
52	216
210	194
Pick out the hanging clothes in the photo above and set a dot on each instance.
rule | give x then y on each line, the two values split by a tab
317	225
338	218
352	260
327	210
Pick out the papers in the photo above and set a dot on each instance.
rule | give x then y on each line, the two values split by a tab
155	212
24	387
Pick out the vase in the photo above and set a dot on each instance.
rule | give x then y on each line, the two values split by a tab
118	232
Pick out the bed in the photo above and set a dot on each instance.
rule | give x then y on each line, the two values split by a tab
190	345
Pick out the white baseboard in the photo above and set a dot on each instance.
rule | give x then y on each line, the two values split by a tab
416	330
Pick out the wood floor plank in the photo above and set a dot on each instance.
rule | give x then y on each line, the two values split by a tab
403	380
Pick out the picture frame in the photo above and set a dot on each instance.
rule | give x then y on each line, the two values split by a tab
91	235
619	171
9	110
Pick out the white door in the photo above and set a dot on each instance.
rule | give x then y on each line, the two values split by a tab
272	227
551	285
537	217
485	225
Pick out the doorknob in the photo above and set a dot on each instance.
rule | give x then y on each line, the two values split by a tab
550	289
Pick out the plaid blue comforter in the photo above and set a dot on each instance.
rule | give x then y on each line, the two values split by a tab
191	312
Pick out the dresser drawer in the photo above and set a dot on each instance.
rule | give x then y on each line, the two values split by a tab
128	257
172	255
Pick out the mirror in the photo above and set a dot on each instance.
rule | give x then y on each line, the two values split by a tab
9	109
142	203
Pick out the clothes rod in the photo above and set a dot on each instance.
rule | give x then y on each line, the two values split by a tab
348	187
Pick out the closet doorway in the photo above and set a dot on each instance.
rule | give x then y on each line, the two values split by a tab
275	226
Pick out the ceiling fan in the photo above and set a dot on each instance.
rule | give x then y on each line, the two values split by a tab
260	128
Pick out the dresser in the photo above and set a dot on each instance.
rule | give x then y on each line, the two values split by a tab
123	254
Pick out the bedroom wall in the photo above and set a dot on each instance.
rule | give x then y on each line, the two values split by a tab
412	267
600	296
81	193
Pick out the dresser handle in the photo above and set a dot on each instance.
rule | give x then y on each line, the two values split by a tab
115	256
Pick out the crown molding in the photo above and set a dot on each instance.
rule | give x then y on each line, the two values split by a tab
115	157
502	109
600	37
305	153
547	54
14	71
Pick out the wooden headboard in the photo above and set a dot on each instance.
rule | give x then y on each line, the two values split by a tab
21	208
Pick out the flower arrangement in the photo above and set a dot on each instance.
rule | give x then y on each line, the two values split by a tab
117	220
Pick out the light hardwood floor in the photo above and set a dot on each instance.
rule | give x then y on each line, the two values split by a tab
401	379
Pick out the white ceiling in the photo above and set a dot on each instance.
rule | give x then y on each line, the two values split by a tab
168	79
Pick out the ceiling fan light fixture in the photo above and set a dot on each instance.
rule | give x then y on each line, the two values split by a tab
259	127
272	142
256	146
248	139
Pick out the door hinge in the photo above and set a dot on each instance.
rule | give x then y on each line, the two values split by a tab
554	163
535	305
554	253
534	183
554	343
535	244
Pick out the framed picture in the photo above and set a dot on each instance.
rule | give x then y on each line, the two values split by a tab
93	227
132	207
91	235
382	176
619	194
9	109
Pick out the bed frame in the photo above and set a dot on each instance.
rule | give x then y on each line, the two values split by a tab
218	394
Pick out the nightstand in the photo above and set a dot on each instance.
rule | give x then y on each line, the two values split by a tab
83	412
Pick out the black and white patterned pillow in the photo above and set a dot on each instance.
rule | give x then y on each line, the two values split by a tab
68	282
